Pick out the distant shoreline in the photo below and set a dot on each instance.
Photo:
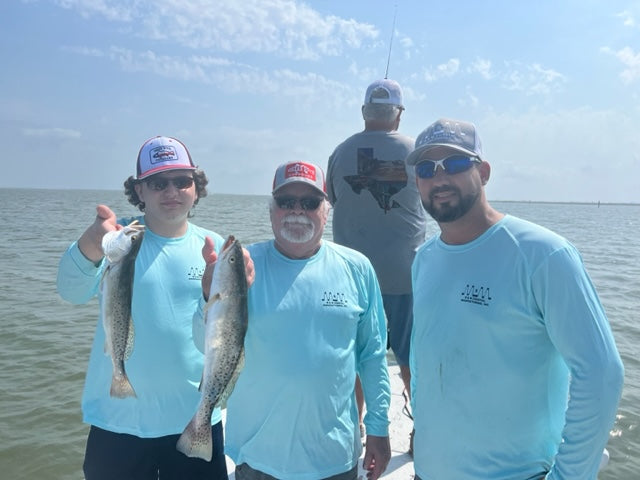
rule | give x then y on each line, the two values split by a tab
211	194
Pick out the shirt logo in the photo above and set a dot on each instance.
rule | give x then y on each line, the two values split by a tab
476	294
334	299
195	273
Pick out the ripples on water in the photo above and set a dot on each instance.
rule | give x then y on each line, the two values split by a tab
45	341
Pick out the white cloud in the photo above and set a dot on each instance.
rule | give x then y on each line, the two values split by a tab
448	69
287	28
233	77
52	133
531	79
114	10
85	51
469	100
630	60
628	19
482	67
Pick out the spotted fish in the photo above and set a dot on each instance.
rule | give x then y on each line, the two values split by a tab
226	320
120	249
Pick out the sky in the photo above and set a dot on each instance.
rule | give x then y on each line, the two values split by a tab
553	87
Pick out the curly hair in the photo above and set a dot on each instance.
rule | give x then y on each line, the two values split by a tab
199	178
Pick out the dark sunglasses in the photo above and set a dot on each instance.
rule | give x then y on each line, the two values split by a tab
451	165
286	202
160	183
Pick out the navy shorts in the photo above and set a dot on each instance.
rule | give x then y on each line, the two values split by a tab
399	312
246	472
112	455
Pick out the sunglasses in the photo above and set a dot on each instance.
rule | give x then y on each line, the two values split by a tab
286	202
451	165
161	183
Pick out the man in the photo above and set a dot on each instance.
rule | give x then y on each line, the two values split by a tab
377	209
136	437
514	368
315	320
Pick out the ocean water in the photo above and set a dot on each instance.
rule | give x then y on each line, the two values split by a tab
44	342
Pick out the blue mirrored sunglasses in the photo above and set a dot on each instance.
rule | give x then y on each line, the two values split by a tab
451	165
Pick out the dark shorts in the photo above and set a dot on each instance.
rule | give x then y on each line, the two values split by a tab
539	476
245	472
399	311
120	456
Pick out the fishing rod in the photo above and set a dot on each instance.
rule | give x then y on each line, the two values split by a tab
393	29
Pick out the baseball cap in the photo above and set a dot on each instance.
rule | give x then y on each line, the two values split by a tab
299	172
384	91
457	135
159	154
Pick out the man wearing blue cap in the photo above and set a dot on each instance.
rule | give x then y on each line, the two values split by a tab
515	371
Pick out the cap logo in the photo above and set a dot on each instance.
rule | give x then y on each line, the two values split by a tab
300	170
441	131
163	153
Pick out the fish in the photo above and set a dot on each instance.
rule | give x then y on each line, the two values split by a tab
226	321
120	248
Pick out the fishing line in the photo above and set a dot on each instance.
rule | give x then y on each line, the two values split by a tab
393	29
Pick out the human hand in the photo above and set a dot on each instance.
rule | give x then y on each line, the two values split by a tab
376	456
248	267
210	256
90	242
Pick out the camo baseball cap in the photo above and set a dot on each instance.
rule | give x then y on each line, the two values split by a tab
299	172
456	135
159	154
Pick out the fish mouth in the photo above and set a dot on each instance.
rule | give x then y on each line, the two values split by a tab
229	242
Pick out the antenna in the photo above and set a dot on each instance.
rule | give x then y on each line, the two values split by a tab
393	29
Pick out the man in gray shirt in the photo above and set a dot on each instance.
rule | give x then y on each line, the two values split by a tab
377	208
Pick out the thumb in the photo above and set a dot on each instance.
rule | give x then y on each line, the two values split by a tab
105	212
105	218
209	251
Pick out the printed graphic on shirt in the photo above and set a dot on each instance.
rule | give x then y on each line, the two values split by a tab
195	273
334	299
383	179
475	294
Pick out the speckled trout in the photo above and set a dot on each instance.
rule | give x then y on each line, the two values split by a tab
226	320
120	249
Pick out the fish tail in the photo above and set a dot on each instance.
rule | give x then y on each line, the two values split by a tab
121	386
196	440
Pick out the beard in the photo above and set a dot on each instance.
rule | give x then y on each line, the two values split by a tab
446	212
297	229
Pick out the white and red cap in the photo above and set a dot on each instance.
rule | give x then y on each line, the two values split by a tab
302	172
159	154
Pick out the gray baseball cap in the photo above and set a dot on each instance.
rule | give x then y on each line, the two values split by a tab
457	135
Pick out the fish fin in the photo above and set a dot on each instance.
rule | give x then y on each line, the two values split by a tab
226	393
121	387
201	382
214	298
196	441
130	337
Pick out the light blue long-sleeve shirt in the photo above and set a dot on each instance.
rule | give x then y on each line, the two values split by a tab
165	367
508	333
313	324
